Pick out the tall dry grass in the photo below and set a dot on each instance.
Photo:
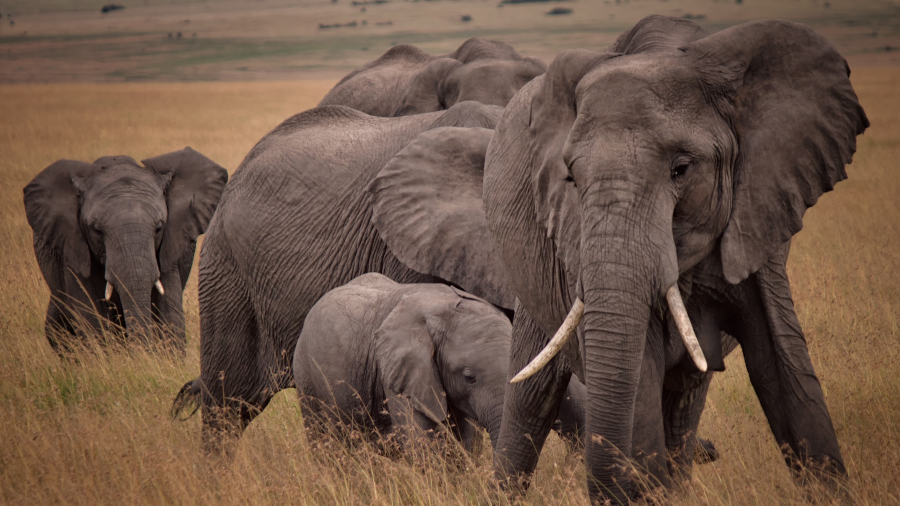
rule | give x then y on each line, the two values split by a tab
96	430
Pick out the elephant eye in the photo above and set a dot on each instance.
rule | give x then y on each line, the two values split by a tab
680	169
469	375
159	228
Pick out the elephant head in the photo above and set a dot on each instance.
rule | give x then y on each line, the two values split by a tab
124	232
406	80
439	350
617	172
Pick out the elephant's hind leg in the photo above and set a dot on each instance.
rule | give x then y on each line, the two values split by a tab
234	388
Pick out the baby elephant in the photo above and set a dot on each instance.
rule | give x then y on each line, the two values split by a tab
115	240
393	357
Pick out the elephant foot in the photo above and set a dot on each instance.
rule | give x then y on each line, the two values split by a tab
705	452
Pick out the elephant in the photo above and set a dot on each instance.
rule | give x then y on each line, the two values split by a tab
431	350
406	80
654	188
298	219
115	241
428	353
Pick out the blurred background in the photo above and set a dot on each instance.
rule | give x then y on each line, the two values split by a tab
190	40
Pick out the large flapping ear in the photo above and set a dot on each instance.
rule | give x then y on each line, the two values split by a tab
469	114
553	113
191	198
796	118
423	94
51	206
655	34
404	352
428	210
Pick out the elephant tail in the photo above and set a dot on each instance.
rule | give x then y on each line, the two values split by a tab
188	398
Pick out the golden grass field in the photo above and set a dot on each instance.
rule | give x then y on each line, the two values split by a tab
96	430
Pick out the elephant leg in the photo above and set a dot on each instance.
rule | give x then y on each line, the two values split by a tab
782	374
648	435
234	388
80	308
171	311
57	327
530	406
682	409
570	416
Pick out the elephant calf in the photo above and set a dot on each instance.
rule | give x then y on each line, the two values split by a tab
115	240
389	357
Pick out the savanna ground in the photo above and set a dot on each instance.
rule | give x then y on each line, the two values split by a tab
95	429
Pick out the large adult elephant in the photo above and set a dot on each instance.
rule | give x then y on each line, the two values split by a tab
406	80
669	171
296	220
673	167
115	240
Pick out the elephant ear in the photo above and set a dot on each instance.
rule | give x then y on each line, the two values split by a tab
553	113
51	206
428	210
404	352
655	34
424	91
191	198
796	118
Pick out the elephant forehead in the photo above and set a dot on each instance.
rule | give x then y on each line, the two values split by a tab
124	176
125	186
654	102
638	87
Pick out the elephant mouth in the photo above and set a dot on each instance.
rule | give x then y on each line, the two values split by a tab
570	324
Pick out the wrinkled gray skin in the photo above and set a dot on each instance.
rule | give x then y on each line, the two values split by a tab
373	351
295	221
406	80
441	351
129	225
673	156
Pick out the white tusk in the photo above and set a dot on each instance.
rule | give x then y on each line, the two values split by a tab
159	287
109	290
562	335
676	305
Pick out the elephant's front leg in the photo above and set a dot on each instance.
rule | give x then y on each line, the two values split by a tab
530	406
683	402
648	437
171	310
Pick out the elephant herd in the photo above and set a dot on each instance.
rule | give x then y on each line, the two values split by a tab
440	223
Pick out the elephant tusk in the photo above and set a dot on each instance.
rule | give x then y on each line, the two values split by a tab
159	287
683	322
562	335
109	291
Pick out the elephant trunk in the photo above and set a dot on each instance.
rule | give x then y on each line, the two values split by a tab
621	277
132	271
492	417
